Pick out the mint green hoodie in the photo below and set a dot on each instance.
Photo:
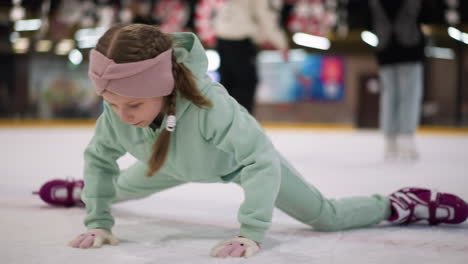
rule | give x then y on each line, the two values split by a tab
220	144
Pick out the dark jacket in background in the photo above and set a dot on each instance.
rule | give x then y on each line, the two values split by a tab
397	24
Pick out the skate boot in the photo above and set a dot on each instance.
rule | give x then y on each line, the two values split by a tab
411	205
391	148
407	149
62	192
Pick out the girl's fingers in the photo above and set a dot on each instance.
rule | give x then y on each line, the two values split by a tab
250	251
87	242
113	240
215	251
238	251
94	238
235	247
225	251
77	241
98	241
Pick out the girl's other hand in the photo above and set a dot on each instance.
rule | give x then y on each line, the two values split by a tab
93	238
235	247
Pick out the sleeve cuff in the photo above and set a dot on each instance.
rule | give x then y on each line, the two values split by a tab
100	225
256	234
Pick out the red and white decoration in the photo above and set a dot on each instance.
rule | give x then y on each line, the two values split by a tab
312	17
204	14
173	15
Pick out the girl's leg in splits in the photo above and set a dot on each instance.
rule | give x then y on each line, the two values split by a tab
305	203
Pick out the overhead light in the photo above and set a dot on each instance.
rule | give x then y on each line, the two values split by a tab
454	33
274	56
213	60
75	57
64	46
87	44
458	35
439	53
21	45
14	36
88	37
85	33
17	13
370	38
311	41
43	45
28	25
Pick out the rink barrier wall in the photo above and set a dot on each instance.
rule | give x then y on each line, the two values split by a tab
52	123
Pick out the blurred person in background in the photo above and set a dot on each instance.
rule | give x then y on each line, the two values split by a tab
400	55
63	97
241	26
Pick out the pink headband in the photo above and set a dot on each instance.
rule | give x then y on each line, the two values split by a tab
143	79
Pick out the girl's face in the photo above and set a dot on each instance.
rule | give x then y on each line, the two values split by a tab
139	112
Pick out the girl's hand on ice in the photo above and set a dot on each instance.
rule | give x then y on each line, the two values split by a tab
235	247
93	238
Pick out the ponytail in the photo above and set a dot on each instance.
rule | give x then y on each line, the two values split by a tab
185	85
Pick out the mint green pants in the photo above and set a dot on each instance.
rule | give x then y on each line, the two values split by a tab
296	198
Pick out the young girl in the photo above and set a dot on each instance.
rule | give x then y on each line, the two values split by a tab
160	106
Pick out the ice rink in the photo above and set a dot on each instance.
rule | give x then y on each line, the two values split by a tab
182	224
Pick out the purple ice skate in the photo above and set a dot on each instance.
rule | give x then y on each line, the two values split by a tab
62	192
411	205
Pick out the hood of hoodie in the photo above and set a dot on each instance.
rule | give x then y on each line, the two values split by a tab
189	51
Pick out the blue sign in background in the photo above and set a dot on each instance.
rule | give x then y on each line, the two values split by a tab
306	77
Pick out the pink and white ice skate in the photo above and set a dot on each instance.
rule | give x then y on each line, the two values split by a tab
62	192
411	205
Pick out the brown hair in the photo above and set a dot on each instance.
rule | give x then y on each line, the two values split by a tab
136	42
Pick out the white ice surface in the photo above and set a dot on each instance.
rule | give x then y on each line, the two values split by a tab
180	225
